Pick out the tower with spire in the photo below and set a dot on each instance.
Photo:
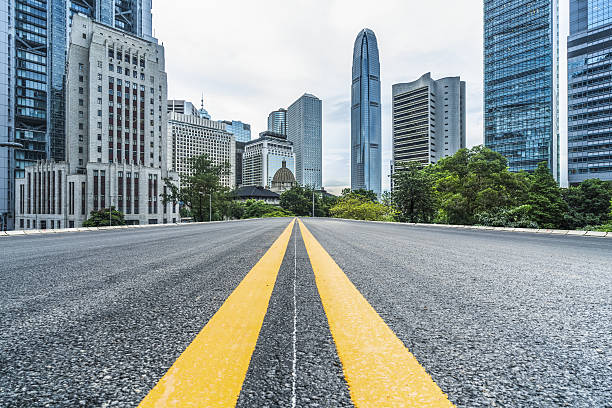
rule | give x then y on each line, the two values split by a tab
203	112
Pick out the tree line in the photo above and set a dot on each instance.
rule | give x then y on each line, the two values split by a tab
475	187
471	187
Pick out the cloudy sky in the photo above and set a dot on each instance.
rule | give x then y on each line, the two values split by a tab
252	57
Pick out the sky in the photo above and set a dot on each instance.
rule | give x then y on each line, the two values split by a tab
249	58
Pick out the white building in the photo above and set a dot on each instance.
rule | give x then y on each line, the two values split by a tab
263	157
116	135
193	136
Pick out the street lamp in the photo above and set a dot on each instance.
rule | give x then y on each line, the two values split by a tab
8	145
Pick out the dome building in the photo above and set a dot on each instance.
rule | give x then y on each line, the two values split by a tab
283	180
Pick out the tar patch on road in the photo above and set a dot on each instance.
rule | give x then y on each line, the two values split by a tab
319	381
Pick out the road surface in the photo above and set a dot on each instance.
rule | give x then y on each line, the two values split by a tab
484	318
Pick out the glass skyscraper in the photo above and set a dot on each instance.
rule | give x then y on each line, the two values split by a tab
589	60
304	128
521	82
277	121
240	130
366	150
33	49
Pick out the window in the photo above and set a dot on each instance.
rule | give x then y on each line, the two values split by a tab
119	70
99	77
80	91
111	67
99	101
80	78
80	138
80	149
80	102
84	36
142	76
80	126
99	112
81	67
99	88
99	64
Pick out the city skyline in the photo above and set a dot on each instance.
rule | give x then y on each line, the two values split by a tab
319	63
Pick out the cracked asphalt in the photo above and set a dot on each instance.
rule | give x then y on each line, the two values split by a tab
497	319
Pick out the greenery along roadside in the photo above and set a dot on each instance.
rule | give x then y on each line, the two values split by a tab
474	186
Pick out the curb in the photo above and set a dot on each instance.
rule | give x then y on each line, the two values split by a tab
113	227
542	231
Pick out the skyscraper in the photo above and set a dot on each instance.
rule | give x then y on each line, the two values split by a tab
242	131
521	82
116	147
428	119
35	40
365	115
589	59
304	128
277	121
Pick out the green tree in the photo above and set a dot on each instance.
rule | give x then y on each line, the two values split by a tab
361	209
548	208
201	191
103	218
473	181
361	194
413	193
260	209
588	203
298	201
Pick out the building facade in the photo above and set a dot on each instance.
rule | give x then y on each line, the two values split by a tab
241	131
37	33
521	82
193	136
277	121
589	59
239	154
428	120
304	129
183	107
264	156
366	150
116	144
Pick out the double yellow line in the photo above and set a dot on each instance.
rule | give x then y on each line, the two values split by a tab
379	369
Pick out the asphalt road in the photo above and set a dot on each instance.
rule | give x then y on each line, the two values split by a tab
497	319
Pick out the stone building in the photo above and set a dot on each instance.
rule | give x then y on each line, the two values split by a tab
264	156
116	135
283	180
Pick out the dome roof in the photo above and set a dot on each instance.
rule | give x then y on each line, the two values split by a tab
283	175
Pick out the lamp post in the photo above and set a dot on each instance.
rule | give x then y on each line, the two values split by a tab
8	145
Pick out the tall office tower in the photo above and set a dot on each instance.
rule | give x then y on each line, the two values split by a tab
264	156
521	82
239	154
193	136
304	128
242	131
116	146
277	121
132	16
589	59
6	119
37	37
366	152
183	107
428	120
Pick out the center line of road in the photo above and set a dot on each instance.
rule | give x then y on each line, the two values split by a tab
294	369
379	369
211	370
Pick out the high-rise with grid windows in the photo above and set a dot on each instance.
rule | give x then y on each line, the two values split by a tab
521	82
589	69
33	50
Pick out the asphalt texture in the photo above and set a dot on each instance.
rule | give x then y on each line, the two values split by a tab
498	319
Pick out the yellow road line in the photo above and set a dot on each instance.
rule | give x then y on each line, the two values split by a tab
379	369
211	370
